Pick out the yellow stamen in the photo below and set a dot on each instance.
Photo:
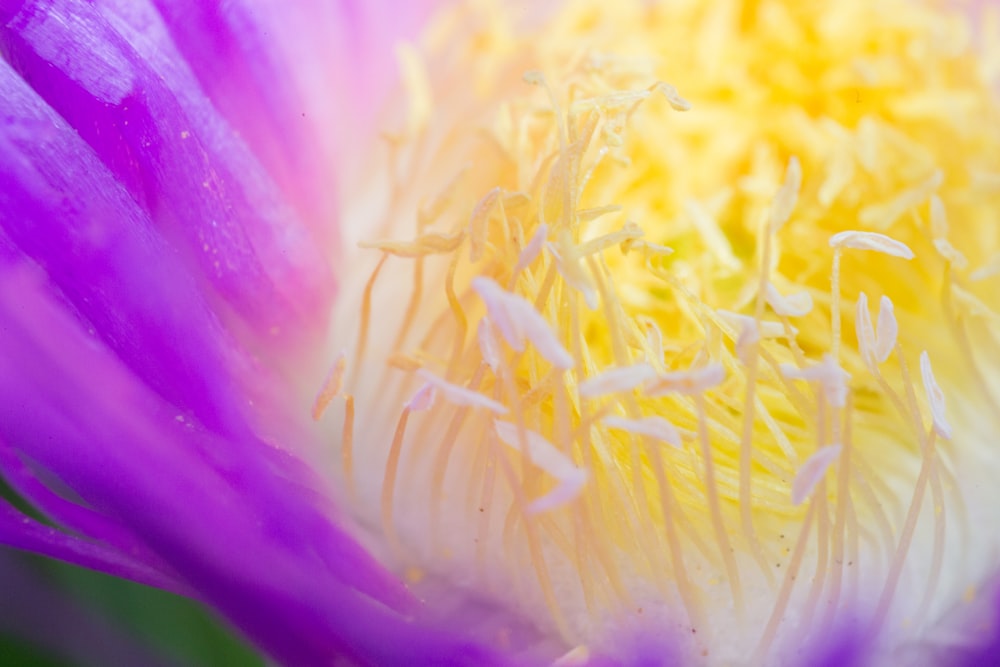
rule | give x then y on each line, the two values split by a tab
661	305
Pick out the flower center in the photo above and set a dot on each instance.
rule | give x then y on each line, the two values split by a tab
672	364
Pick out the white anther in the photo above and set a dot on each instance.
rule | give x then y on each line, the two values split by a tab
690	382
517	321
654	427
935	398
488	346
812	471
616	380
828	373
546	456
423	399
791	305
871	241
458	395
787	196
532	248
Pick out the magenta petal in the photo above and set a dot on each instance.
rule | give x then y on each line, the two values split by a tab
61	207
128	95
20	532
82	520
301	81
253	544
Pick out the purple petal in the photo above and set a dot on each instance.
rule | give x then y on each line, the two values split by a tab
300	81
62	208
20	532
253	544
83	521
129	96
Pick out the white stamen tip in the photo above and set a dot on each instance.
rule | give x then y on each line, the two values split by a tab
532	248
422	400
657	428
689	382
830	376
546	456
871	241
518	321
616	380
888	330
567	491
866	332
787	196
935	398
457	395
488	345
812	471
748	332
792	305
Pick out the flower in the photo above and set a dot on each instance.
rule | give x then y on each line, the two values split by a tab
670	322
666	323
164	198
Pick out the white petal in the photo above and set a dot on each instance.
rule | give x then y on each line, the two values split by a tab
871	241
812	471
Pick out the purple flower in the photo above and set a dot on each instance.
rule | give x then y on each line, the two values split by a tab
606	382
167	183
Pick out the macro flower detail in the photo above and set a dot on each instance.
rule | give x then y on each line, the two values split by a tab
648	334
663	286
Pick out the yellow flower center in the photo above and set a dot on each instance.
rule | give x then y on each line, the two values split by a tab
648	350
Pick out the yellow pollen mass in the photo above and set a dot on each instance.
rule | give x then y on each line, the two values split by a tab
684	313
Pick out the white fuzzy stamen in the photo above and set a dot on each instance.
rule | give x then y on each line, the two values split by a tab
518	321
657	428
791	305
461	396
935	398
812	471
871	241
787	196
422	400
828	373
616	380
888	330
488	345
690	382
546	456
